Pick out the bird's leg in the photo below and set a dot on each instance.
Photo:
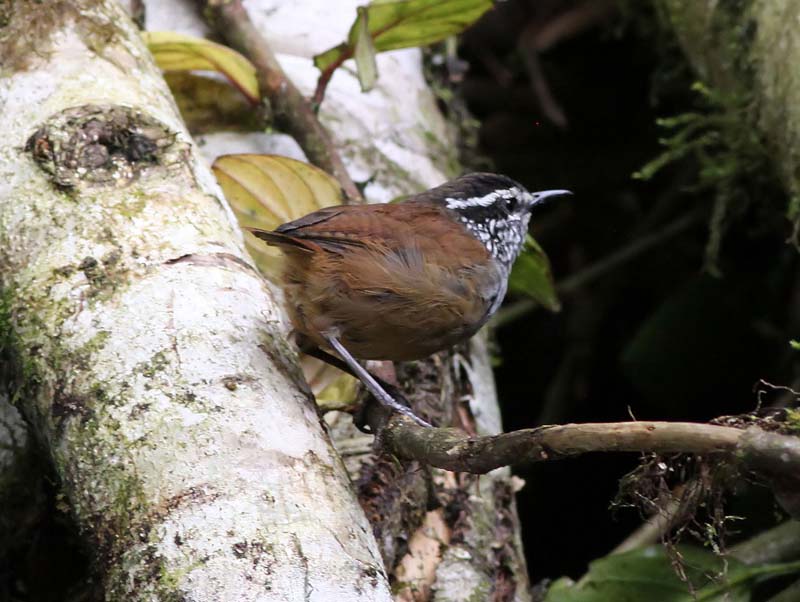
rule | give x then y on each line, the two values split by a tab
332	360
370	382
310	348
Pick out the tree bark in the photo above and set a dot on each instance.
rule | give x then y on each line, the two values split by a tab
750	49
396	141
145	349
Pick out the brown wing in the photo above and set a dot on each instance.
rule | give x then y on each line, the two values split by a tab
394	227
397	281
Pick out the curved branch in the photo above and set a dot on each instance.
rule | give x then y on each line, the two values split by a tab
574	282
765	453
324	78
292	111
451	449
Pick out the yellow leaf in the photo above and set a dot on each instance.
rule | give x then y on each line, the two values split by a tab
178	52
209	104
265	191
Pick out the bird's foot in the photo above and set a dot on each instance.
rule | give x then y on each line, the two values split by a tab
372	384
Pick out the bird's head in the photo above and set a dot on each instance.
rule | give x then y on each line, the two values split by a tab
495	209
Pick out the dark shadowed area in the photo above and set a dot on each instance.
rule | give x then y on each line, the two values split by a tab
670	332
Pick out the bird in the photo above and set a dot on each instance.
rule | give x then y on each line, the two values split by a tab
401	281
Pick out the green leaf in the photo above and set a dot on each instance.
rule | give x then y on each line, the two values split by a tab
395	24
178	52
794	344
531	276
365	52
648	574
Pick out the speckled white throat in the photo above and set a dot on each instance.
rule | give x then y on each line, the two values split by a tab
499	219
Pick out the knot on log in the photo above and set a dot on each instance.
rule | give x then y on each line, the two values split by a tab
101	145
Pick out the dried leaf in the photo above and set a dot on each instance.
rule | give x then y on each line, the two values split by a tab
211	105
178	52
265	191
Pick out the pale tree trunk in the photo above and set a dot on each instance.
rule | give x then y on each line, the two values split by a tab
395	138
144	344
154	366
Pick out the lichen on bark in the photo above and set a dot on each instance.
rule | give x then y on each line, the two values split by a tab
129	307
744	48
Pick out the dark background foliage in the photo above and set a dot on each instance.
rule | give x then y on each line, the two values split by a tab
667	335
567	94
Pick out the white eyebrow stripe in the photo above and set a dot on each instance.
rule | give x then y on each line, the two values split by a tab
482	201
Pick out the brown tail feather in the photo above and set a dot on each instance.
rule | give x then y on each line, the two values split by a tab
277	239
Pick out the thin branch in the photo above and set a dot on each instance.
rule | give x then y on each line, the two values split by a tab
347	52
571	23
452	450
536	38
653	528
291	110
325	78
541	87
779	544
771	455
501	74
626	254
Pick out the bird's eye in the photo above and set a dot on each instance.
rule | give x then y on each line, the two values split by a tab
511	204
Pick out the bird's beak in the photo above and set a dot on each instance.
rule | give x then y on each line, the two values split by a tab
545	195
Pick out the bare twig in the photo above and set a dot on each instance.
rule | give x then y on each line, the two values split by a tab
346	53
291	110
571	23
636	248
653	528
541	88
537	37
325	78
779	544
452	450
501	74
769	454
